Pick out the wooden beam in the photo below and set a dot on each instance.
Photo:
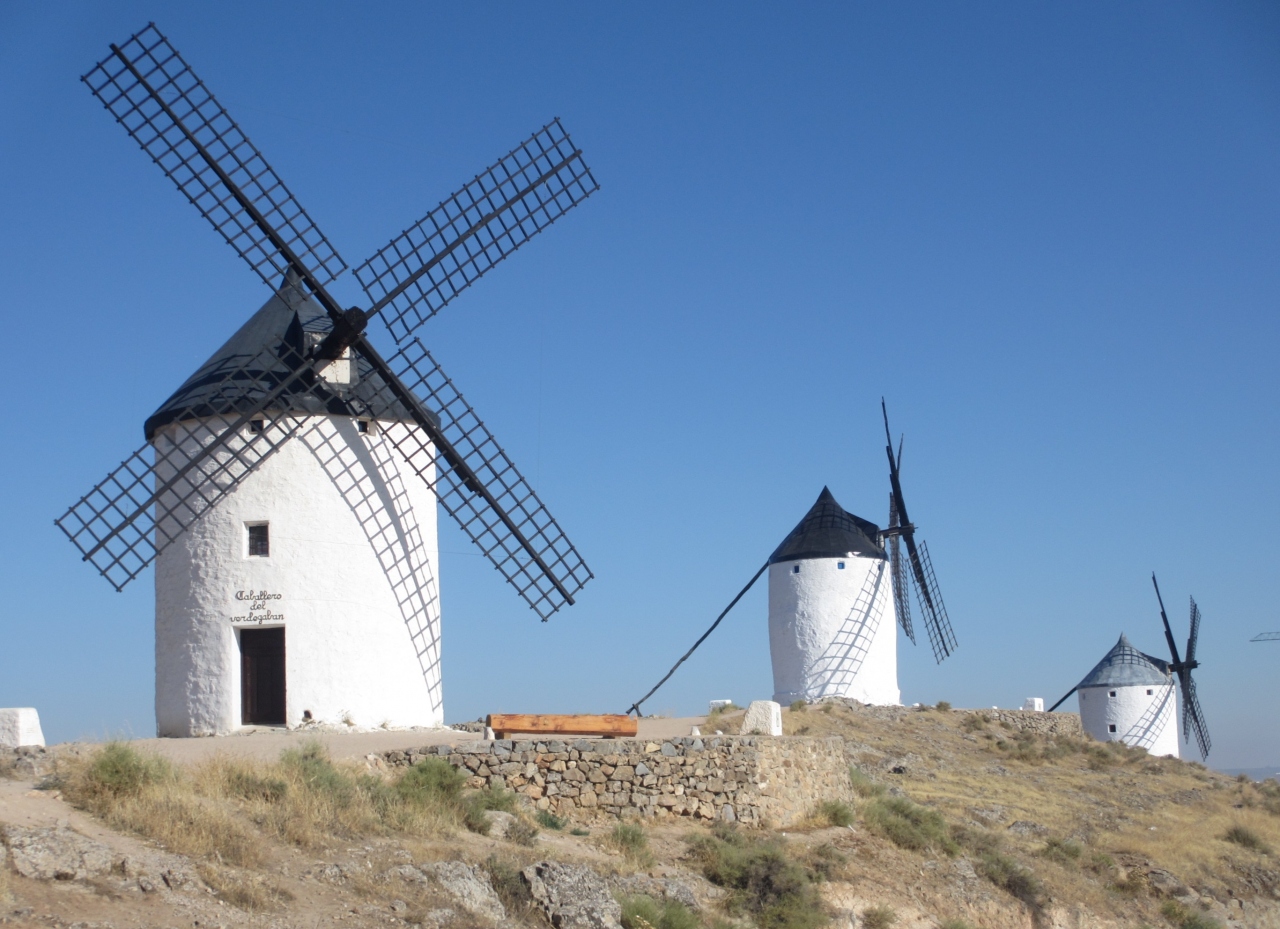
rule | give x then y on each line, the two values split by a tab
611	725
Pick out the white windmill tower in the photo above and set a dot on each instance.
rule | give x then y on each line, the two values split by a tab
1130	696
832	629
287	490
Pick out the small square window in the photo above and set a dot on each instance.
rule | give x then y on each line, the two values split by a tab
1112	694
1111	728
257	425
362	426
840	565
259	541
1150	691
795	569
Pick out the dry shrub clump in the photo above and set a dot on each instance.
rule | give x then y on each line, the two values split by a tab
878	917
909	825
243	889
765	882
1247	838
834	813
630	839
991	861
643	912
863	785
1182	917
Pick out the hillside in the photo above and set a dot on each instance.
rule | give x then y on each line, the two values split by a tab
953	819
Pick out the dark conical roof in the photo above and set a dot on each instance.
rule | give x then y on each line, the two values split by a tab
224	384
827	531
1125	666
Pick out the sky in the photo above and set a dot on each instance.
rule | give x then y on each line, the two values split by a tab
1046	234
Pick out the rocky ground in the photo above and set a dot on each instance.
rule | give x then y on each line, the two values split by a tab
1029	829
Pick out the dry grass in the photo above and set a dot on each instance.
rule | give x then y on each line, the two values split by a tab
245	890
726	719
5	895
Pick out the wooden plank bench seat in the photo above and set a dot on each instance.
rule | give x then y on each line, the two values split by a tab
611	726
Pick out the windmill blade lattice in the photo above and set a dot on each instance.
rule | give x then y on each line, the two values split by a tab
206	450
503	207
1193	717
532	552
1194	637
901	597
929	598
167	109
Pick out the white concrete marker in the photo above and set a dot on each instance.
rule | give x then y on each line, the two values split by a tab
764	717
1035	704
20	726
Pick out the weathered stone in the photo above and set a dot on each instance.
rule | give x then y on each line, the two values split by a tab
763	717
55	853
572	896
499	822
20	726
468	887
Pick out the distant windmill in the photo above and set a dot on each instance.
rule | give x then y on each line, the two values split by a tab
1130	696
832	630
291	482
1266	637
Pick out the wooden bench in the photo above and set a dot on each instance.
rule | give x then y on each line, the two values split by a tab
611	726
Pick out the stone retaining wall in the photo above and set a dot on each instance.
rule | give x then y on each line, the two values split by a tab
748	779
1046	724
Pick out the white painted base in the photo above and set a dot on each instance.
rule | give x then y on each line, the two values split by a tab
833	631
20	726
763	717
1144	716
352	576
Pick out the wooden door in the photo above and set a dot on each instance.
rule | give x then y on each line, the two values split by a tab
262	676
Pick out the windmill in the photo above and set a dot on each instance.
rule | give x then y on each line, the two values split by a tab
291	482
831	626
1266	637
1130	697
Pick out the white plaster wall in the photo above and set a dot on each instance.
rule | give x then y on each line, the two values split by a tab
1143	720
823	641
352	576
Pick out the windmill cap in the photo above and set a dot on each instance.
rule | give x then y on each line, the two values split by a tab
828	531
1125	666
280	324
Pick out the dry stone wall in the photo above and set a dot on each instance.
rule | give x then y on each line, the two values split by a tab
1046	724
746	779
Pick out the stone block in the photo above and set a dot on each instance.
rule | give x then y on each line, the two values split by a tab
20	726
763	717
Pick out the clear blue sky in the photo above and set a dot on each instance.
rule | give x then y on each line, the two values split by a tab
1047	233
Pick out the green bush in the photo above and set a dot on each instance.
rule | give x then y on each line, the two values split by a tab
1011	877
119	770
864	786
975	721
629	838
798	706
878	917
1064	851
640	911
548	820
944	706
496	798
1183	918
764	880
909	825
431	781
313	766
1247	838
836	812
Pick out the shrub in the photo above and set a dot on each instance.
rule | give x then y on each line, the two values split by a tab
548	820
250	892
1064	851
909	825
864	786
825	861
763	879
1247	838
640	911
879	917
1184	918
944	706
433	780
119	770
975	721
510	887
798	706
496	798
579	831
1010	876
630	839
522	832
836	812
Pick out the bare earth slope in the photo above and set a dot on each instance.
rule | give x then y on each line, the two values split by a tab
961	821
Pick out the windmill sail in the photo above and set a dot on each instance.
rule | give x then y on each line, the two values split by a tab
503	207
1192	716
166	108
